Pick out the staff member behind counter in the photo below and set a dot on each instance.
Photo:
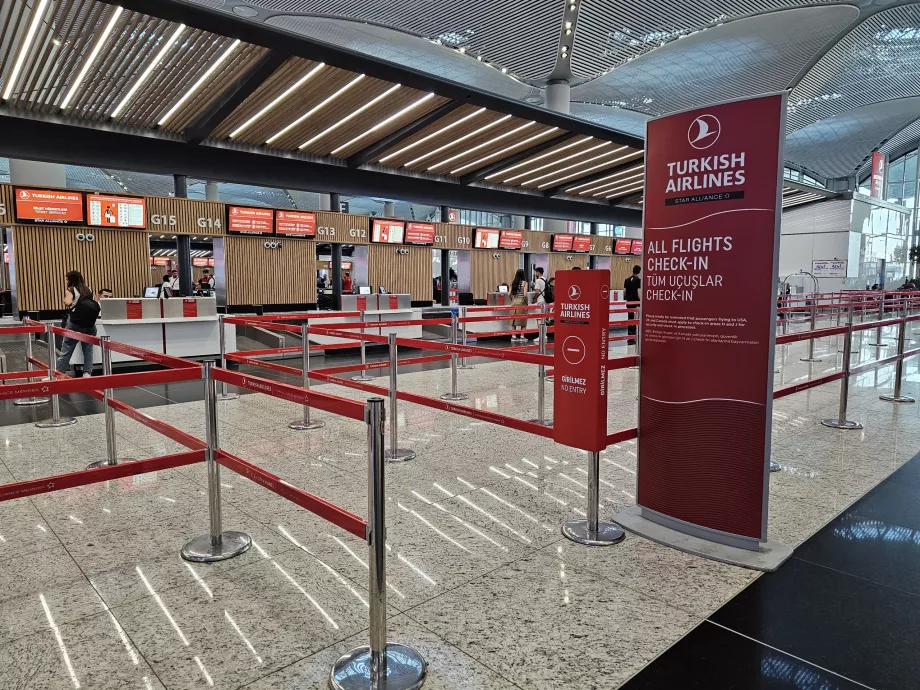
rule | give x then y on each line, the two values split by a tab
632	287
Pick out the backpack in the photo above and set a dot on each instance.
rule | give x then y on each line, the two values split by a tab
549	294
84	312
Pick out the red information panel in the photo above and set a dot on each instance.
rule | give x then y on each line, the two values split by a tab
189	308
107	211
388	231
454	295
877	180
563	243
511	239
250	221
135	311
420	233
713	180
636	247
486	238
49	206
394	302
362	303
581	243
580	359
623	246
295	223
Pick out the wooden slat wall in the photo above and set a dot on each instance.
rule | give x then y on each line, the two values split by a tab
177	216
621	268
489	272
559	262
256	275
7	210
401	273
342	228
116	258
453	236
157	273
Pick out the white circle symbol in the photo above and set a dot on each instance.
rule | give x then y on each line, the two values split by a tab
574	292
605	291
704	131
573	349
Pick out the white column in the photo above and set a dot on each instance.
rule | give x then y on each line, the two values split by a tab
554	225
325	202
557	96
389	209
517	222
211	192
37	174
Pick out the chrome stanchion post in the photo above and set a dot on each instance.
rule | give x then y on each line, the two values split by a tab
842	422
111	446
455	339
811	341
218	545
541	373
363	375
463	364
593	532
878	331
378	666
56	419
395	453
33	400
224	394
305	423
899	366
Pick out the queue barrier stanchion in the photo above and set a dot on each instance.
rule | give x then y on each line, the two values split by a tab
463	364
305	423
899	367
842	422
811	341
363	375
217	545
224	393
378	666
33	400
395	453
56	419
454	339
593	532
878	331
111	443
541	374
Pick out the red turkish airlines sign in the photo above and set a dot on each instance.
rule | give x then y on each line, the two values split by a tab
48	206
250	221
511	239
877	180
295	223
580	359
420	233
623	246
712	212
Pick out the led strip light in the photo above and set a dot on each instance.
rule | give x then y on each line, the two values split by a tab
198	84
37	14
615	183
626	190
556	162
601	179
498	153
494	140
411	146
315	109
457	141
92	57
605	164
350	116
146	74
538	158
572	166
385	122
287	92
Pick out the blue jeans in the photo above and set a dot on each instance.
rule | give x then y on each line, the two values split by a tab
69	345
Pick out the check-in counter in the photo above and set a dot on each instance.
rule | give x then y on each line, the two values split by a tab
375	302
180	326
498	299
375	308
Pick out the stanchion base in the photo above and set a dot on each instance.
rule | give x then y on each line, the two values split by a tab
201	550
774	466
300	425
105	463
465	366
399	455
362	377
455	396
552	378
811	359
876	344
32	401
406	670
51	424
899	399
607	533
835	424
228	396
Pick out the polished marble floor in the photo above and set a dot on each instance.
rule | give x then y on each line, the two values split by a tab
93	593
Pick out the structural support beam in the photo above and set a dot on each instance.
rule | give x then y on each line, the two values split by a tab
588	179
233	96
513	159
376	149
52	138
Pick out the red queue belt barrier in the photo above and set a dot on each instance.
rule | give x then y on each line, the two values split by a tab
337	333
468	351
15	330
328	511
808	335
59	482
163	428
306	316
805	385
29	374
96	383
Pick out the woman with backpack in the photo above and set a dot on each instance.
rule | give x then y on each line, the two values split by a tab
81	312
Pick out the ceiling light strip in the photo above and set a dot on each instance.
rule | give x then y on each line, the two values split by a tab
198	84
538	158
385	122
457	141
350	116
38	13
626	190
315	109
146	74
613	190
490	142
432	135
614	183
103	37
554	163
287	92
636	168
599	166
500	152
573	166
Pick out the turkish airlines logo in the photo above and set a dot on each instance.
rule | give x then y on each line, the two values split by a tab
704	131
574	293
23	194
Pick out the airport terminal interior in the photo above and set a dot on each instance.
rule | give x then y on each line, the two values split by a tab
529	345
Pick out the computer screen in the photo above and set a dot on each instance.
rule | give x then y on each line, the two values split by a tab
364	289
151	292
503	288
382	290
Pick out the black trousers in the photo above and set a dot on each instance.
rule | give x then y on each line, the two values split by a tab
631	330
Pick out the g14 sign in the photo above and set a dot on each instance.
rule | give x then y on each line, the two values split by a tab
580	359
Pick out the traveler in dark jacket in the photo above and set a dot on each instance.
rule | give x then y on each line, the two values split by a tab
632	289
81	314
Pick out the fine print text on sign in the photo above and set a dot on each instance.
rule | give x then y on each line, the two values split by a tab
580	359
711	233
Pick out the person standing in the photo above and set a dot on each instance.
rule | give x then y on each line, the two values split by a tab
519	299
174	281
81	312
632	288
206	282
539	286
346	284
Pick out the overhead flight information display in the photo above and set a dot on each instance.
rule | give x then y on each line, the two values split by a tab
420	234
108	211
250	221
388	231
486	238
49	206
295	223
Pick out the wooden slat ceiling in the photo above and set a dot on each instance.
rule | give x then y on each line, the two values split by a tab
625	181
150	73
